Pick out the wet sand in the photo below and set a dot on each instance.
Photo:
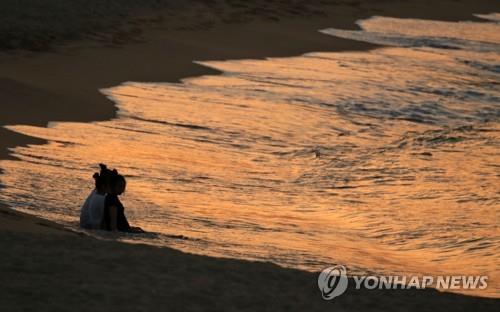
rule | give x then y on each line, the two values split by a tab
45	267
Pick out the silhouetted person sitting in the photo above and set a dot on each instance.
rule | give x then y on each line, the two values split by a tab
102	209
92	210
114	213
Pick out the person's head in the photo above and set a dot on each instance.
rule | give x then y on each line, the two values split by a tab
100	186
105	179
102	179
117	184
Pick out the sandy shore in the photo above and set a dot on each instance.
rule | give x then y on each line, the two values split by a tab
45	267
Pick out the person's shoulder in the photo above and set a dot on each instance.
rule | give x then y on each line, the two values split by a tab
96	194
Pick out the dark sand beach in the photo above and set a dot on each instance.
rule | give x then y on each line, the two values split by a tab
47	268
56	76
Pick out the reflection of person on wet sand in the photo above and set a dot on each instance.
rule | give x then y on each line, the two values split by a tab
103	209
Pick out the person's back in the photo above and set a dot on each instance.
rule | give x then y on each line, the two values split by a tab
91	214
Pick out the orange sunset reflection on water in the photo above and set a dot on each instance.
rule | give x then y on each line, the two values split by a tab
385	161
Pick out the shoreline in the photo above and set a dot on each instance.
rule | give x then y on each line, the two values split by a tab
64	86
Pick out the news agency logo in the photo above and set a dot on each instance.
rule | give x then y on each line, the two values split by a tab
333	282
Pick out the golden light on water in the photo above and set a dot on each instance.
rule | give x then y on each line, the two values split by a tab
385	161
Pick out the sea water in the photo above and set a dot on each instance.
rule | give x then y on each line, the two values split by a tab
386	161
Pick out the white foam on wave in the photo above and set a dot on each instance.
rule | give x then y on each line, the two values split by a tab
480	37
495	17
